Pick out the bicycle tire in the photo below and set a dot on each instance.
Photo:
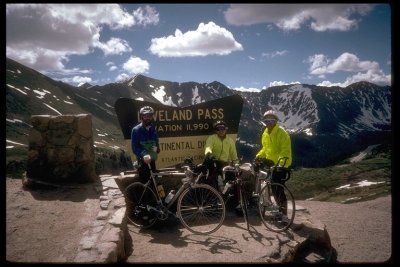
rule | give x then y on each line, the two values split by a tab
244	205
271	214
137	198
201	209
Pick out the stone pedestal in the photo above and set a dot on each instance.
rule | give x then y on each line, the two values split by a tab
61	149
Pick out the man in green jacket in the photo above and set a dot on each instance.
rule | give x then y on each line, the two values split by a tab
276	144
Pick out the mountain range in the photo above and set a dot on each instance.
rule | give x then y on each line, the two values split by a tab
326	124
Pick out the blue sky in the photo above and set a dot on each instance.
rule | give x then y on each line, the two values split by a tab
244	46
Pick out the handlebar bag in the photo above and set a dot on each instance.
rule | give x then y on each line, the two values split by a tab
281	174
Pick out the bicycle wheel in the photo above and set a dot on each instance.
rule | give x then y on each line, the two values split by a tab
244	205
201	209
137	198
276	207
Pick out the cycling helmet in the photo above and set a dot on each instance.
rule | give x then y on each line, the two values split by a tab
270	113
219	124
146	110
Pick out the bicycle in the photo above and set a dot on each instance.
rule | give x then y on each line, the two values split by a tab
276	203
200	208
233	187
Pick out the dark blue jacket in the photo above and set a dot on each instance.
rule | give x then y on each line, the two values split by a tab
143	140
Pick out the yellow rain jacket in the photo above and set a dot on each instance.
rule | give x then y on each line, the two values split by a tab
276	145
223	150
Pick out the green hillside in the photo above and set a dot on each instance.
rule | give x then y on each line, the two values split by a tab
321	183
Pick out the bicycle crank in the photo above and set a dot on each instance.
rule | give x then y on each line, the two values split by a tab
161	211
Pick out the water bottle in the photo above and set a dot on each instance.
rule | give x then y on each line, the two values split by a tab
171	194
220	183
226	188
160	190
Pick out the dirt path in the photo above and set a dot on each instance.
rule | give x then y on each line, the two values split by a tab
170	242
359	232
46	225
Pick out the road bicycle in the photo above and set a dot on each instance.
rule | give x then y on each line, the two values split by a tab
199	207
276	203
234	187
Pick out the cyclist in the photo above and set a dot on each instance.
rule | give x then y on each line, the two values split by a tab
276	144
219	149
145	143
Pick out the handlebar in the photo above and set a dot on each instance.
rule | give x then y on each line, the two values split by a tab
279	160
277	166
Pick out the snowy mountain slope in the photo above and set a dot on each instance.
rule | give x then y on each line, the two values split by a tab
325	123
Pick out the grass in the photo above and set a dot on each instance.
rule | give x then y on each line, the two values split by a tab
322	183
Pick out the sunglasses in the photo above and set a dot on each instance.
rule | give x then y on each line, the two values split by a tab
269	121
222	128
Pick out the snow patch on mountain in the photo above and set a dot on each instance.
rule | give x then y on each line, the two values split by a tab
196	99
160	94
296	109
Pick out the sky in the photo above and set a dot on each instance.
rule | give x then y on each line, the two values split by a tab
246	47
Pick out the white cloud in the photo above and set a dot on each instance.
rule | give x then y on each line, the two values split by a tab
323	17
122	77
330	84
207	39
279	83
111	66
245	89
43	36
321	65
373	76
136	65
77	80
275	54
114	46
146	16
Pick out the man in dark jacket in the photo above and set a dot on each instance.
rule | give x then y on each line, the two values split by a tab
145	144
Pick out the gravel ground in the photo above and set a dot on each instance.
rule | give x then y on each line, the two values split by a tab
360	232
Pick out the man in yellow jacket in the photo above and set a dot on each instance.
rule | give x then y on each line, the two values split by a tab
219	149
275	141
276	144
219	145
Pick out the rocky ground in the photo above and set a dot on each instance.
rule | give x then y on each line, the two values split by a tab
46	225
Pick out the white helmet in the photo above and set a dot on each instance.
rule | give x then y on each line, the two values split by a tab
146	110
271	113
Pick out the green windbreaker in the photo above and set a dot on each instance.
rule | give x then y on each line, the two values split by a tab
276	145
224	150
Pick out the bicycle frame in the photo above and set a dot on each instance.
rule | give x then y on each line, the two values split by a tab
262	176
243	201
199	207
160	202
